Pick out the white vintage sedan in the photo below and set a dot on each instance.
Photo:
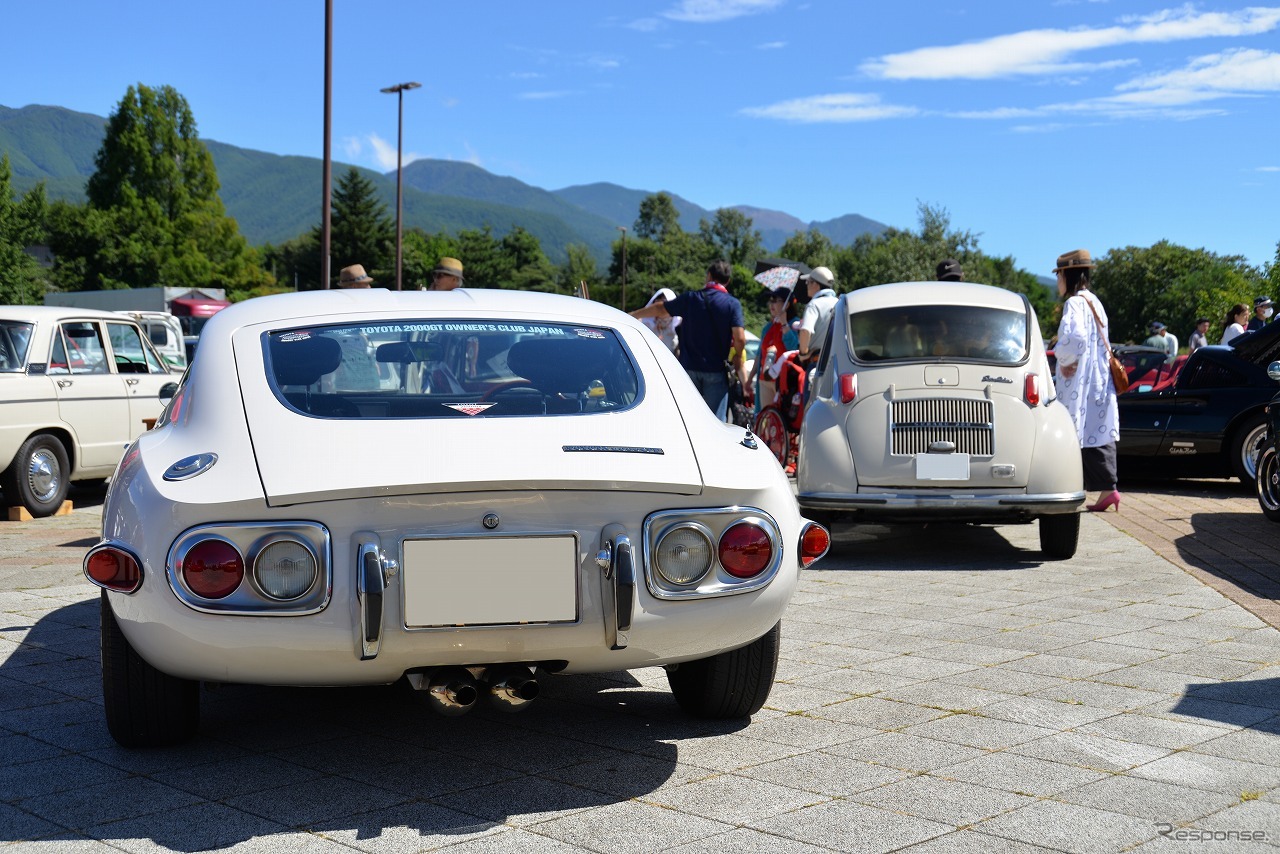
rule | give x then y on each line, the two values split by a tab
468	489
76	387
934	400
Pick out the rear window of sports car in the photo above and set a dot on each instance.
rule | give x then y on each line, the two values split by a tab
450	369
933	332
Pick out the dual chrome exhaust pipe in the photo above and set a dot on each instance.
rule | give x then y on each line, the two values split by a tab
453	691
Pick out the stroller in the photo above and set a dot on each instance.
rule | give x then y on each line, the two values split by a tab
778	424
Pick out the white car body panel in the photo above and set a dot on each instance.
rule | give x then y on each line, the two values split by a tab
391	482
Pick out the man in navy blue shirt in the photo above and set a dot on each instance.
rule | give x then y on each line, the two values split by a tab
710	330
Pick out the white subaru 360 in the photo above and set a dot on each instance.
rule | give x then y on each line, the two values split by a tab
469	490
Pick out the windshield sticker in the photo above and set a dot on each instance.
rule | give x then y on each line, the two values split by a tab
294	336
525	328
470	408
589	333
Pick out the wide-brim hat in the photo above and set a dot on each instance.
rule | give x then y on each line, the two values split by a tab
1259	302
354	276
449	267
664	294
1077	259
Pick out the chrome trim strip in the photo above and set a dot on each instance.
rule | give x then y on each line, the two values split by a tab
1057	502
369	589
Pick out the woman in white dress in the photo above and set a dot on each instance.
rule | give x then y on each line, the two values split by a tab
663	327
1237	317
1083	376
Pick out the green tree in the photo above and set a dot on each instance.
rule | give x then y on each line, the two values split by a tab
732	237
423	251
153	215
22	224
361	231
658	218
810	247
580	267
900	255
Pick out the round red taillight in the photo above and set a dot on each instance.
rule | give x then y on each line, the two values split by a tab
814	543
113	569
745	550
212	569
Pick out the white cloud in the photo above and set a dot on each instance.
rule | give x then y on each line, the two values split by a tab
384	153
712	11
1269	169
352	147
1039	52
544	96
645	25
836	108
771	46
1232	71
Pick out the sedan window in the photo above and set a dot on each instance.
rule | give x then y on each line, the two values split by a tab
78	349
931	332
450	369
15	336
131	355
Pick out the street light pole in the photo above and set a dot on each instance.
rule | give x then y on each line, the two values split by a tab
399	89
623	229
327	174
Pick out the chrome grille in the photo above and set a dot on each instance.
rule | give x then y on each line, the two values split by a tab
915	424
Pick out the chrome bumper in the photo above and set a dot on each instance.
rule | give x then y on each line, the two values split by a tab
957	505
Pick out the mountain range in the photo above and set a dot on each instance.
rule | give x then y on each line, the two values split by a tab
276	197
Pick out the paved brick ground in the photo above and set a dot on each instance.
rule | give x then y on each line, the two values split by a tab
941	689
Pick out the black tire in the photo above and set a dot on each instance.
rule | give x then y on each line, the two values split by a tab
730	685
1268	482
38	477
145	708
1246	445
1059	535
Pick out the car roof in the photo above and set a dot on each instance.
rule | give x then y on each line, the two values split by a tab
307	307
899	294
53	313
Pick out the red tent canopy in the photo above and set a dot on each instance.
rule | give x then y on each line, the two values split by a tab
197	306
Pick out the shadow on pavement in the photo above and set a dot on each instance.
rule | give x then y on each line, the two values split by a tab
1240	703
349	763
927	546
1239	547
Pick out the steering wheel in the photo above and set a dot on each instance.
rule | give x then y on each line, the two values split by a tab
501	387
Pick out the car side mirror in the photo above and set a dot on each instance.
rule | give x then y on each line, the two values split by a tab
168	390
1273	371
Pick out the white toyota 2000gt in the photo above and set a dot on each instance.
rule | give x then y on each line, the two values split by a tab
468	489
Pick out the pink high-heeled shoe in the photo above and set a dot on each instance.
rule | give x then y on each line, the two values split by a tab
1111	499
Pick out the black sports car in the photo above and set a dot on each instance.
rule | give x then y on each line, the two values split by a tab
1203	418
1268	479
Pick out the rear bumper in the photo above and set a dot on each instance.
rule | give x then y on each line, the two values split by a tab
955	506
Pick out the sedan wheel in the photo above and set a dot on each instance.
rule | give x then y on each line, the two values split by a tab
37	478
1269	483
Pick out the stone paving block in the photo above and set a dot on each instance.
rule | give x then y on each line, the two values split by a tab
810	730
85	806
825	773
1102	695
1090	751
946	697
1039	711
1067	827
972	842
851	827
850	682
523	801
878	713
949	801
734	798
243	775
977	731
906	752
745	840
48	776
1023	775
1004	680
1148	799
199	827
630	827
1202	771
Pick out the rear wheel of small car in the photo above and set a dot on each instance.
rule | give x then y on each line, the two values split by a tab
772	430
1059	535
145	708
1269	483
733	684
1246	446
37	477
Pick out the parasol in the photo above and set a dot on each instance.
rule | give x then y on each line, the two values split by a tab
778	278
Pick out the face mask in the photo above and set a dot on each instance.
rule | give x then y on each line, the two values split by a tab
1266	312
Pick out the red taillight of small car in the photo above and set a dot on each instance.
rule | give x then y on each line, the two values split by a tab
848	387
814	542
114	569
1031	389
745	550
212	569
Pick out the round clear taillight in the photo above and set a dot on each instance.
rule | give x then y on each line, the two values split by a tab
745	550
113	569
684	554
212	569
285	569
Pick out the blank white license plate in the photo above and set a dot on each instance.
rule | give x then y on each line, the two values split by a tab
490	581
942	466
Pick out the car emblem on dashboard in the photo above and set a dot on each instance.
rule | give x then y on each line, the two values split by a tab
469	408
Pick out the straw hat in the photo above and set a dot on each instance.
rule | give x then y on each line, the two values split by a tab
354	277
449	267
1074	260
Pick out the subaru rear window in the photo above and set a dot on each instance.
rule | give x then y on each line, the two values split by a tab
939	332
450	369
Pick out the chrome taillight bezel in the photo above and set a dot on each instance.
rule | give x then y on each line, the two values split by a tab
250	539
113	546
714	521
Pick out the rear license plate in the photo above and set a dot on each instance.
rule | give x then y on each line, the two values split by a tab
490	581
942	466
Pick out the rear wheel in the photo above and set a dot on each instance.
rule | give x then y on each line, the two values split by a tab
733	684
772	430
38	476
145	708
1269	483
1246	446
1059	535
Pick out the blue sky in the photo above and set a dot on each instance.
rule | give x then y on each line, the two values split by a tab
1041	125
